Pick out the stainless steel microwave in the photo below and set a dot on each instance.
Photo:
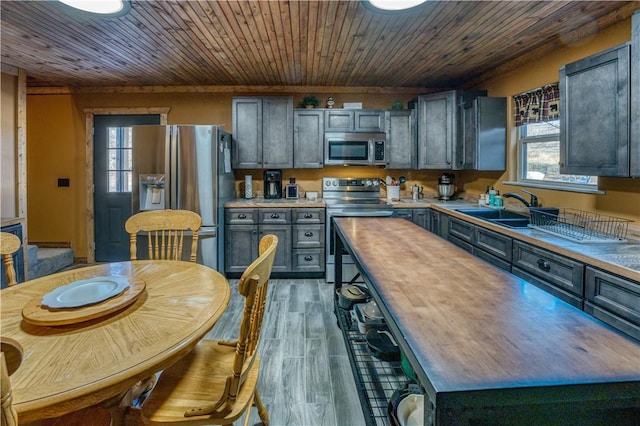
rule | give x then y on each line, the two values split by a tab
356	149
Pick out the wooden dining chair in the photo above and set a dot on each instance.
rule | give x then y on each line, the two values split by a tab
9	244
216	383
8	415
165	231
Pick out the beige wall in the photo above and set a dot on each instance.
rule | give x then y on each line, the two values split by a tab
622	196
8	191
56	146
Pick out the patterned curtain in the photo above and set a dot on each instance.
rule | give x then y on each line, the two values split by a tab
538	105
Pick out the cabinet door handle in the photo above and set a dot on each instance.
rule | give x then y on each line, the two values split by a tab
308	234
242	216
275	216
308	215
544	265
308	258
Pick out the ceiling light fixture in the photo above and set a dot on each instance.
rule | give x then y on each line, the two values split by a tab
395	5
101	7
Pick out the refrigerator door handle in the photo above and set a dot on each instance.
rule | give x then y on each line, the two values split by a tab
207	232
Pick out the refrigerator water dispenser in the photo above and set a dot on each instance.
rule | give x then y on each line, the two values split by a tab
152	192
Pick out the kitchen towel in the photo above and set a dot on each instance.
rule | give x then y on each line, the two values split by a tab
248	187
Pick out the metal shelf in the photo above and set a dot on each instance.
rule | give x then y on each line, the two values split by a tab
376	380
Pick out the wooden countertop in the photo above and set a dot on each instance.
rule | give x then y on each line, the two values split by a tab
65	368
474	329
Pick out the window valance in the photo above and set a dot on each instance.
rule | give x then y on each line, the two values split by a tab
538	105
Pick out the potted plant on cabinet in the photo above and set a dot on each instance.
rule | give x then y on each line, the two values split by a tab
310	102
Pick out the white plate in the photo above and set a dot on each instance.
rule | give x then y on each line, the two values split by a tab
85	292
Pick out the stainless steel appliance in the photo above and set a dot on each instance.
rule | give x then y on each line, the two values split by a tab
349	197
188	168
356	149
446	189
272	184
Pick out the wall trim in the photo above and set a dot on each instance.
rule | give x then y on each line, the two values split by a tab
89	182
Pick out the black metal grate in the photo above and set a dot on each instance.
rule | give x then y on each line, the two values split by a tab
376	380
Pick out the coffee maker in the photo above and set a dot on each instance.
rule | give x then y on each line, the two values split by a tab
272	184
446	188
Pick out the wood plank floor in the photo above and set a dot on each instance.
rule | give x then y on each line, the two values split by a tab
305	377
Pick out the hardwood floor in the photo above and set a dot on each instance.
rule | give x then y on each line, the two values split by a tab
305	377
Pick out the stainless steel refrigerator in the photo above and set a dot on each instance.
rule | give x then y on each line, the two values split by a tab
187	168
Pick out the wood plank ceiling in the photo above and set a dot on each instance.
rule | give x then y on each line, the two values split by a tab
291	43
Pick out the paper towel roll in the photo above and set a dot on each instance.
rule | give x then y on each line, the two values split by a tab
248	187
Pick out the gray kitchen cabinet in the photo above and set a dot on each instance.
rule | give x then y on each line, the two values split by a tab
401	139
308	138
457	131
308	253
490	246
614	300
403	213
438	223
277	221
595	114
558	275
262	132
483	142
300	233
241	239
350	120
421	217
634	148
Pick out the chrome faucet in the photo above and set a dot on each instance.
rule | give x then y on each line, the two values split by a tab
532	203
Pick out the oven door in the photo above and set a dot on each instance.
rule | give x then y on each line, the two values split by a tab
349	267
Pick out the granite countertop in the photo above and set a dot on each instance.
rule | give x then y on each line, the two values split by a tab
619	258
622	258
260	202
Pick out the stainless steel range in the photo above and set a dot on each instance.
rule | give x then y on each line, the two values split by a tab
350	197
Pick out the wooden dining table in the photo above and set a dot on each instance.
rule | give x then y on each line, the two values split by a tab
69	367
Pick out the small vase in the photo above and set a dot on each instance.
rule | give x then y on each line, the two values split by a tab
309	106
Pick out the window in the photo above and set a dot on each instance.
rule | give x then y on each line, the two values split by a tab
540	156
119	159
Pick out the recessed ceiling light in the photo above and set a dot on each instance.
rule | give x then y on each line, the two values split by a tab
102	7
395	5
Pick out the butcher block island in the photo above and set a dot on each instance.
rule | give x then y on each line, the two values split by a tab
488	347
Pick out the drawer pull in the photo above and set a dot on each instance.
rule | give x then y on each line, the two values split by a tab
242	216
308	215
308	234
544	265
275	216
308	258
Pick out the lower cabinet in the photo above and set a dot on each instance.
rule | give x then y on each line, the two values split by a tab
606	296
559	275
485	244
614	300
300	235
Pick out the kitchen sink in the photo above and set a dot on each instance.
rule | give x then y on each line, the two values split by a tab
511	223
500	217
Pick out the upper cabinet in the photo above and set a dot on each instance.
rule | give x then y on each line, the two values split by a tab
354	120
263	132
483	142
308	138
461	130
634	149
595	114
401	139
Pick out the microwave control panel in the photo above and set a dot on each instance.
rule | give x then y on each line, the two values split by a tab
378	151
